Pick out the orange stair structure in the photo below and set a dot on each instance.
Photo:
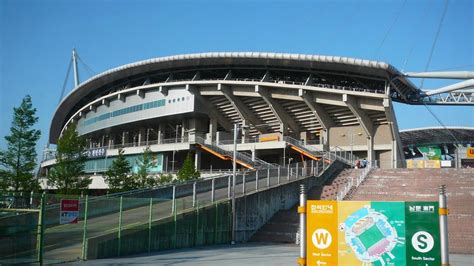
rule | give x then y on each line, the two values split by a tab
224	156
305	150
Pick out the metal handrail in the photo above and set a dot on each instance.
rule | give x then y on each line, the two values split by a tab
354	184
301	145
242	156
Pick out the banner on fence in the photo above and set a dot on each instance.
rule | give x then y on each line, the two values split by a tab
69	211
372	233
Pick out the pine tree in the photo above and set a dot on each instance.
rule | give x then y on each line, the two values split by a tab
188	171
142	177
67	175
19	159
117	177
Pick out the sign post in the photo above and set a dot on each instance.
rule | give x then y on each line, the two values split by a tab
69	211
443	225
302	212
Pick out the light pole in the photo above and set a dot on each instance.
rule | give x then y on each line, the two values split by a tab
234	173
234	169
172	162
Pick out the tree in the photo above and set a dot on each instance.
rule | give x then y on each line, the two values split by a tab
117	177
142	177
165	179
188	171
67	175
19	159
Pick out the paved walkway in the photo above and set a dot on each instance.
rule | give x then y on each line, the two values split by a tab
237	255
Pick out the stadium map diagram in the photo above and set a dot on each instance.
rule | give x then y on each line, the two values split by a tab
370	236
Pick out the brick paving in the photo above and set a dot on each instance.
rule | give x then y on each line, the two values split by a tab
422	185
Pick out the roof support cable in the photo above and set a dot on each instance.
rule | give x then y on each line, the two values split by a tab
377	51
90	71
65	81
428	64
435	40
440	122
414	42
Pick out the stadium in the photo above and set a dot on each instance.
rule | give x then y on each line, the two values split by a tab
175	104
293	121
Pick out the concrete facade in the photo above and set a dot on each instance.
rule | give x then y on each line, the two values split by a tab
153	103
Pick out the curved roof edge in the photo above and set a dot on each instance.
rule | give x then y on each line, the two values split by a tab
436	127
145	65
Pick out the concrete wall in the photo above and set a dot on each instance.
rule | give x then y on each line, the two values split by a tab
255	209
384	158
341	136
382	135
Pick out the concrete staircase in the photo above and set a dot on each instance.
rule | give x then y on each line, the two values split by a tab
282	227
330	189
422	185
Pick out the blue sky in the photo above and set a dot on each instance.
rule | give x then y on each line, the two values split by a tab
36	39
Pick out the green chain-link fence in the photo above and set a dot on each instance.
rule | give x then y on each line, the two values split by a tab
107	227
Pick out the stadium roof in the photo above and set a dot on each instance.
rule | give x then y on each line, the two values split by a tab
437	135
401	88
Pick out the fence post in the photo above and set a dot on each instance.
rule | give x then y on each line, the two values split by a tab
150	218
268	177
216	226
243	183
194	194
296	168
213	191
40	242
120	226
256	180
289	170
443	225
228	186
279	173
302	235
196	239
84	235
173	200
175	231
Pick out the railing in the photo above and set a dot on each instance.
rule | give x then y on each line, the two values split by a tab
239	141
344	155
336	152
241	156
354	183
52	153
304	147
114	213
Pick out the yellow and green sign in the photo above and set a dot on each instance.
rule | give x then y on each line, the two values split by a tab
372	233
